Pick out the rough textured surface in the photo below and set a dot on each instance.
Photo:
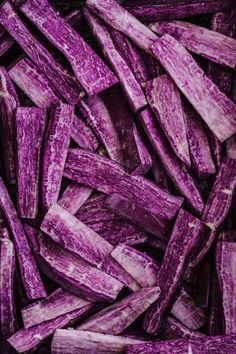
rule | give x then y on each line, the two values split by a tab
82	134
228	236
216	147
143	153
30	127
225	265
220	198
200	40
92	73
164	99
29	273
58	76
116	318
216	109
119	18
130	85
74	342
57	141
173	329
231	147
58	303
74	197
71	272
108	177
6	42
8	104
174	168
183	238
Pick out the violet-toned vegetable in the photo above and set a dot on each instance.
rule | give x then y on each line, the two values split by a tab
228	236
216	147
164	99
74	197
214	107
108	177
8	103
82	134
92	73
57	141
173	329
58	75
231	147
29	273
30	127
4	234
6	42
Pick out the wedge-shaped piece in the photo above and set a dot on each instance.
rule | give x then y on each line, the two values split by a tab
173	329
74	197
30	127
133	212
29	272
30	338
221	196
119	18
70	271
60	302
92	73
182	241
209	44
216	109
176	170
58	75
164	99
57	141
8	322
73	235
117	317
225	264
74	342
130	85
8	104
106	176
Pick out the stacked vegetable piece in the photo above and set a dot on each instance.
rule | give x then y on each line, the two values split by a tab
117	176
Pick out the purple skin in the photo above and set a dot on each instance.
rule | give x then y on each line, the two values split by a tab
129	84
74	197
30	338
120	19
106	176
164	99
173	329
58	75
215	108
30	127
8	104
92	73
176	170
8	323
57	142
74	342
29	272
225	265
221	196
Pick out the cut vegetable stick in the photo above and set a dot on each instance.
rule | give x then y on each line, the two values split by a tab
144	156
182	241
57	141
6	42
74	342
83	135
225	264
216	109
216	148
176	170
231	147
71	272
108	177
60	78
116	318
134	213
8	321
73	235
30	338
221	195
159	174
29	273
74	197
130	85
228	236
119	18
91	72
199	147
164	99
4	234
30	127
8	103
200	40
173	329
60	302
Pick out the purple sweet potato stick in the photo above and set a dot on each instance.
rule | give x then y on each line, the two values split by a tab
143	153
231	147
83	135
173	329
4	234
6	42
74	197
216	109
216	148
228	236
92	73
29	273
